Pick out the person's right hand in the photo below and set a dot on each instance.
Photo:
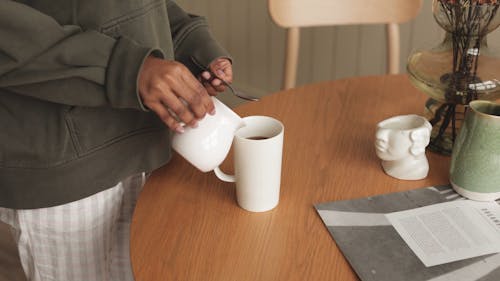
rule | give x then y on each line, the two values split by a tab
170	90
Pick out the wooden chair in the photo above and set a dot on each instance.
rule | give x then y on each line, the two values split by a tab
294	14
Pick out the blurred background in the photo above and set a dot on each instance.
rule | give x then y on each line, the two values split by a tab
257	45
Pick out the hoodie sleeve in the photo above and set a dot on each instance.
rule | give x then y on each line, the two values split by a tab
193	39
66	64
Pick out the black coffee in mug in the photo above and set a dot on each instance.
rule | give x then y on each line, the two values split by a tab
257	138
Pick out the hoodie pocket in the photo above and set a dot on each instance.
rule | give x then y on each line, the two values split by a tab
34	133
94	128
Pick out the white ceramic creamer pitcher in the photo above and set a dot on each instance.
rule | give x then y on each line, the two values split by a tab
206	146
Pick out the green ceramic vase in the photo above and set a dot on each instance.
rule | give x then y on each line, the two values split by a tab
475	161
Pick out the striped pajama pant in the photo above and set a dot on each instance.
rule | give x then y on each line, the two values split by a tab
85	240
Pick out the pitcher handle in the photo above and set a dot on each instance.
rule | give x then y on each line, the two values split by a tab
223	176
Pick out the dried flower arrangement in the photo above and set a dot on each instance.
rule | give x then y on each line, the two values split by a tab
467	21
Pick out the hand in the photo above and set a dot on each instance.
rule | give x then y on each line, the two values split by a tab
224	70
170	90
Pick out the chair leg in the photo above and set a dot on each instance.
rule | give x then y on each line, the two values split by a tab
393	48
291	58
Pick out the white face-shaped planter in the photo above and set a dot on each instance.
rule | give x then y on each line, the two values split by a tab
400	143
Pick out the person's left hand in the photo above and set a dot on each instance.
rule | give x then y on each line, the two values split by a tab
224	70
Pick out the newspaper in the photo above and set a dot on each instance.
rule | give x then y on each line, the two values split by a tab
450	231
377	252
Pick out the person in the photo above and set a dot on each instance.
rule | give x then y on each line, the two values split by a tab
400	143
90	92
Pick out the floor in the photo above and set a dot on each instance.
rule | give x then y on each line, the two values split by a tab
10	267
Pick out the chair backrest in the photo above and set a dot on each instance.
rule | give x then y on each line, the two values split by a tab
293	14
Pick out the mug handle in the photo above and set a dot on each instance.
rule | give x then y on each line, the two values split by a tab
223	176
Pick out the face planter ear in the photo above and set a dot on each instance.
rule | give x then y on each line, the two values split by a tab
420	139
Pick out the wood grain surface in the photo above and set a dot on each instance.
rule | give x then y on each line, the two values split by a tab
188	226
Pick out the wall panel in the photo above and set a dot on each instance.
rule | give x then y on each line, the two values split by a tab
257	44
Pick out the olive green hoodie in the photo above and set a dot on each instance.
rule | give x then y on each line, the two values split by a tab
72	123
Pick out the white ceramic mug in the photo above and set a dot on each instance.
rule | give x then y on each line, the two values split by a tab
206	146
258	149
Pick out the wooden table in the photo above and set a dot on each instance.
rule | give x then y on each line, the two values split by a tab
188	226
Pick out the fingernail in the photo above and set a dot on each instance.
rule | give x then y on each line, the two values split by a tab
179	129
205	75
212	112
216	82
195	125
221	73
